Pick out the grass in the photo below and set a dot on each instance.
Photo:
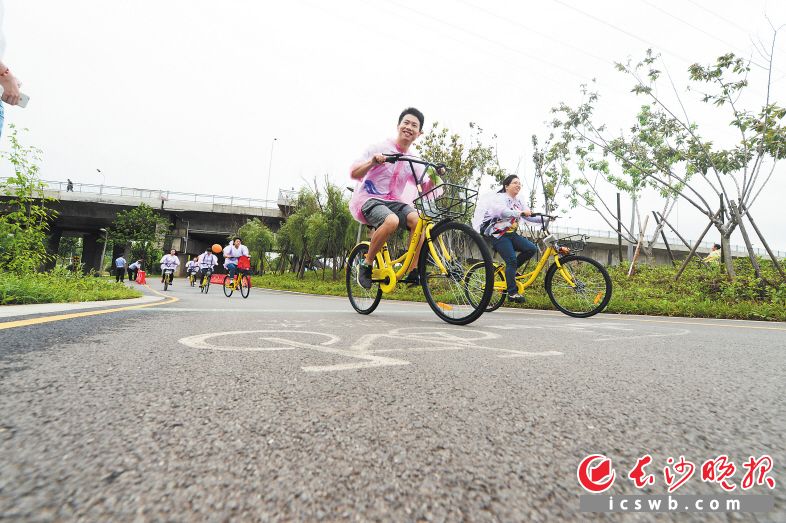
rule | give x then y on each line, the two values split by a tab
59	287
702	291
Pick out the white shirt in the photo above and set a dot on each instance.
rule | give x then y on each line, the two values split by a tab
207	260
134	266
232	253
120	262
169	261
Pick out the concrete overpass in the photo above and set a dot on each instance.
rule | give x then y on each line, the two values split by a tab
197	220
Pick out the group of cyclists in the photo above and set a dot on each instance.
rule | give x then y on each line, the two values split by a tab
384	199
202	266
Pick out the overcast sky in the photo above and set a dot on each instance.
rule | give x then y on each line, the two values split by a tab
187	95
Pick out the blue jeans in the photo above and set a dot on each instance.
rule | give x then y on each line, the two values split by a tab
232	268
507	245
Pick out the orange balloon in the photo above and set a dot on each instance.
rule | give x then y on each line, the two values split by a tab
216	248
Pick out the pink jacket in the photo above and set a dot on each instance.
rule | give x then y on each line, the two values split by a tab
389	181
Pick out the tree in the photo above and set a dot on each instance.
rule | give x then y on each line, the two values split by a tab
25	220
467	163
258	238
666	149
143	229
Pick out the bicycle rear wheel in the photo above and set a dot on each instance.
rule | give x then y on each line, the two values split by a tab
227	286
362	300
245	286
476	278
590	293
454	248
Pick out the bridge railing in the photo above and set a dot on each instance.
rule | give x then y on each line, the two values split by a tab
285	197
598	233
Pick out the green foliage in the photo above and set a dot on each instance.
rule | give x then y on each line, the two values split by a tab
703	292
144	229
320	228
59	286
468	162
25	219
258	238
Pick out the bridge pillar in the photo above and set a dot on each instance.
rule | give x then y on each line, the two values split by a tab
52	246
91	253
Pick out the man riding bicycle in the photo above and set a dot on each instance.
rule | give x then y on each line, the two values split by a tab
232	253
206	261
385	192
169	262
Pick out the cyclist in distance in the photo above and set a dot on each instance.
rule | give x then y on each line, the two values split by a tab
169	261
206	261
232	252
192	266
497	216
385	192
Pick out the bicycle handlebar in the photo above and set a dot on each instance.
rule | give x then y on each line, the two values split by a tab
440	168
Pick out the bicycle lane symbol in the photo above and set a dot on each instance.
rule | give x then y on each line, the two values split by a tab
414	340
281	343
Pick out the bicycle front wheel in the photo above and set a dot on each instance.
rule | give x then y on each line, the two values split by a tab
245	286
227	286
445	260
476	278
362	300
589	291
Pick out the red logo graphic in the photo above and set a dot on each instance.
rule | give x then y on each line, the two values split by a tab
717	470
593	471
764	466
639	477
682	467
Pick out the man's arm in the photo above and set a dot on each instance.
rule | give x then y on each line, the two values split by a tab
10	85
359	170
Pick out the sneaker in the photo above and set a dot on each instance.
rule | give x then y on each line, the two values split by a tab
364	276
517	298
412	278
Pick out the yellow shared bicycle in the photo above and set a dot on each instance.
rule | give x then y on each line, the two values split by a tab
449	250
577	285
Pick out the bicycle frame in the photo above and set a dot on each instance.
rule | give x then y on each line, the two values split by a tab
523	281
385	263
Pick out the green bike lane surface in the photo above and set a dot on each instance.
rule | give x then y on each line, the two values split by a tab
285	406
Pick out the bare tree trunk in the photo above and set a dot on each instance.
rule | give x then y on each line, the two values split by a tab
766	246
726	253
751	255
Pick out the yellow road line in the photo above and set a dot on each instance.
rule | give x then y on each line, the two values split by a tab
72	315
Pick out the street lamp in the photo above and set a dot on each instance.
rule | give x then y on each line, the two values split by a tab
103	252
270	168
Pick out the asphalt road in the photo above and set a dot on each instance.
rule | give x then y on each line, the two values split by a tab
294	407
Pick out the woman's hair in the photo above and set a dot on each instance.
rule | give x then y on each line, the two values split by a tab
507	181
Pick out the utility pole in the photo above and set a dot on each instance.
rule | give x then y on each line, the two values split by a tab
270	168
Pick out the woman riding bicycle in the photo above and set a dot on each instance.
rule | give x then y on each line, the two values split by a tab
497	216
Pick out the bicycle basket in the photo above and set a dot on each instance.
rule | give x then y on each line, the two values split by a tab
243	263
574	242
446	201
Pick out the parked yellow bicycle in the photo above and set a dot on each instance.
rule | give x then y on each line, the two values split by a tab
577	285
449	250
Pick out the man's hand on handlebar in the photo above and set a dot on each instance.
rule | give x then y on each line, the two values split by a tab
378	159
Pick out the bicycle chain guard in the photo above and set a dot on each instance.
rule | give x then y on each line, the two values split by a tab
386	273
